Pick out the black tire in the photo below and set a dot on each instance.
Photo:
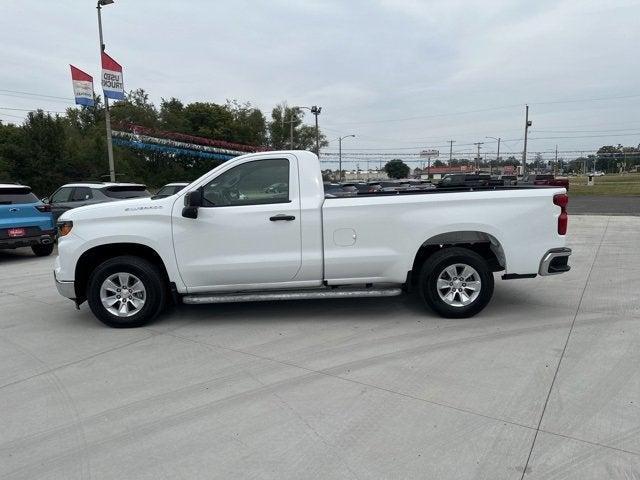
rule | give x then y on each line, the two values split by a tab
42	250
150	276
439	261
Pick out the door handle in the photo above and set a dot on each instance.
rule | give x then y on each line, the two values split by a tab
286	218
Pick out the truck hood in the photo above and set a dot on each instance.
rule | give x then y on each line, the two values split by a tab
120	208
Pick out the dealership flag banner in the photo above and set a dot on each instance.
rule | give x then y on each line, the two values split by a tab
112	82
82	87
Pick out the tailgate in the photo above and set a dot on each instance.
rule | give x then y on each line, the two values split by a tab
16	216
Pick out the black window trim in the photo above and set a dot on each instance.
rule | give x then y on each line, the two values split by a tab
280	202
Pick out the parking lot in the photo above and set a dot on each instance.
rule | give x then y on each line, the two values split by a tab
362	389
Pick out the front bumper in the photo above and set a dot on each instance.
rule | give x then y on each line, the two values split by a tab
555	261
66	289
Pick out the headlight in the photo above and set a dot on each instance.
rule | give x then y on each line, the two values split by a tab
64	227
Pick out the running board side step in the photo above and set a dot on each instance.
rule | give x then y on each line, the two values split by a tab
266	296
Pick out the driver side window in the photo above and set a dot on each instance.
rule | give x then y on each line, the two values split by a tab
253	183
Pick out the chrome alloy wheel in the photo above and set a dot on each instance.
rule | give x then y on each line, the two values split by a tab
459	285
123	294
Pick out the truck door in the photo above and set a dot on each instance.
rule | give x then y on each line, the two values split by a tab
247	231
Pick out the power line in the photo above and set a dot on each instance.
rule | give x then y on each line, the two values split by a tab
29	110
35	94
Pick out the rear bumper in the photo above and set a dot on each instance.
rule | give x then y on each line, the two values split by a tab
66	289
555	261
45	238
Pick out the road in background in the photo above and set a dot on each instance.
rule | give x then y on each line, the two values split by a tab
603	205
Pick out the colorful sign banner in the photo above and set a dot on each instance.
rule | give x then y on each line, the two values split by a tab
82	87
112	81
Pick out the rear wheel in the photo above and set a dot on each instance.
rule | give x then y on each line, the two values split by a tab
456	282
126	292
42	250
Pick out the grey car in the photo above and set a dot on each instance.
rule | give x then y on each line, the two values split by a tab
79	194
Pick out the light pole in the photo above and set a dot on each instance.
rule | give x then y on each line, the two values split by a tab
316	111
497	154
527	124
340	155
107	116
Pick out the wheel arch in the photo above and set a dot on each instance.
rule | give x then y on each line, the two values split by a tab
483	243
94	256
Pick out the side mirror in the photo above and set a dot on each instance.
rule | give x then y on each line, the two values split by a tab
192	201
45	200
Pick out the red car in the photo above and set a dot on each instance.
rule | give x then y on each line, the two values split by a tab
547	179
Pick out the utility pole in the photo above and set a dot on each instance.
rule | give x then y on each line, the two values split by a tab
451	142
497	154
340	155
555	165
477	144
527	124
107	115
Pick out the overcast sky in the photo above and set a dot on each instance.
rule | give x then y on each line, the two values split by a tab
402	75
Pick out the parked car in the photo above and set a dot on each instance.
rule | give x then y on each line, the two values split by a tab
279	187
338	190
464	180
25	221
170	189
496	181
207	245
389	186
79	194
509	179
361	187
546	179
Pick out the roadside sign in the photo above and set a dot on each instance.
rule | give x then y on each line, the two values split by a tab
429	153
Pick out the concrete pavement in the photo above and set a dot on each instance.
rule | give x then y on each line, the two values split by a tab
546	379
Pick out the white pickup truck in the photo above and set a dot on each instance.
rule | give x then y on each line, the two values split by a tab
260	227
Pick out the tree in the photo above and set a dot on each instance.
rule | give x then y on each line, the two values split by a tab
283	118
396	168
438	163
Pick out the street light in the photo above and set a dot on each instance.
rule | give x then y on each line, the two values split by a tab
316	111
340	155
107	115
497	155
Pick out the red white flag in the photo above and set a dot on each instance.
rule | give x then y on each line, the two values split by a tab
112	81
82	87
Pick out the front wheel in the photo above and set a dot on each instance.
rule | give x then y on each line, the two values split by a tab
126	291
456	282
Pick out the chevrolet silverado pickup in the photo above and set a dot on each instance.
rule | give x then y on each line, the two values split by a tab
230	237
